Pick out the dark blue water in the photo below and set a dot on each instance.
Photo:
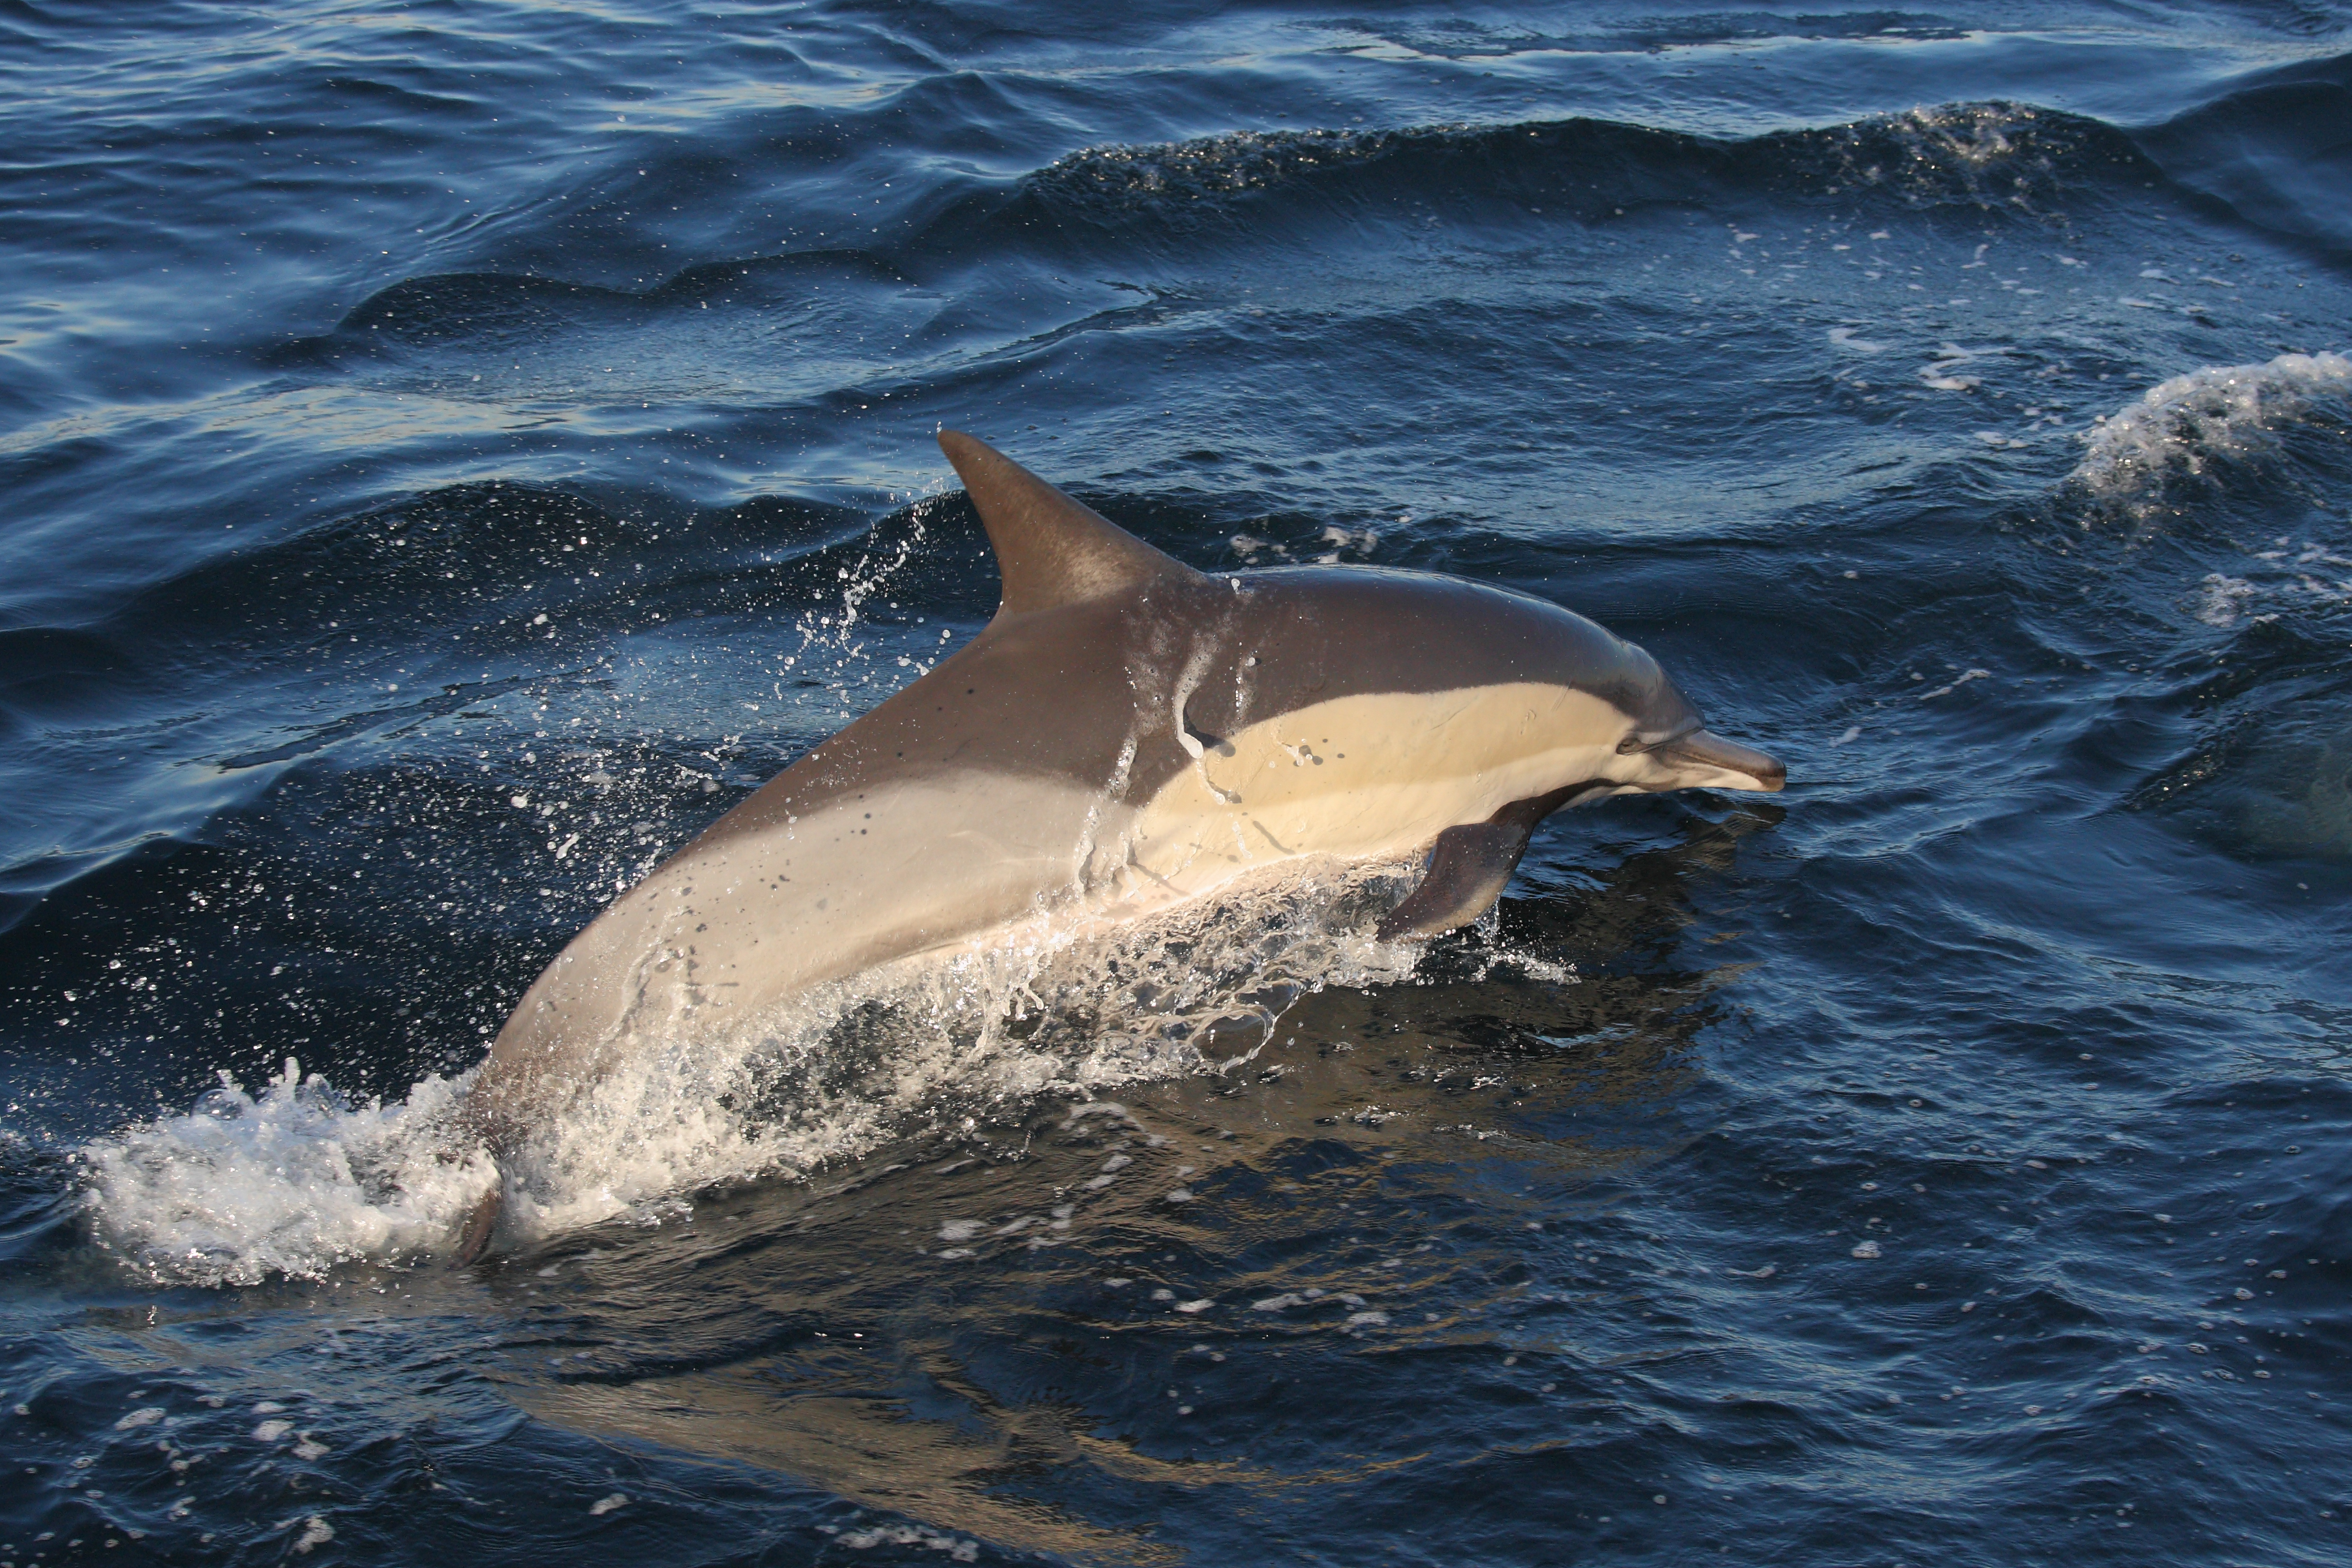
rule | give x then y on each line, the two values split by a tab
452	451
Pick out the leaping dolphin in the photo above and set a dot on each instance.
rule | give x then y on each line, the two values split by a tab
1125	733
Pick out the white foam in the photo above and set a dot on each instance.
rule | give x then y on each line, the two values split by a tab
2180	425
958	1549
2219	600
292	1181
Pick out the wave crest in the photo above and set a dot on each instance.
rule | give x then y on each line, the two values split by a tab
1981	154
1209	166
2180	429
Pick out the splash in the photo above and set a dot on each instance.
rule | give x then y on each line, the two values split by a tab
296	1182
292	1180
2182	427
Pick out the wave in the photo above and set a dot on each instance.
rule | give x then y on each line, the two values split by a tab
1459	38
523	308
2001	159
1996	156
2274	153
2236	473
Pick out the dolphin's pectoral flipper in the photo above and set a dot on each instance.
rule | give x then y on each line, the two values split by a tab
1470	866
1467	872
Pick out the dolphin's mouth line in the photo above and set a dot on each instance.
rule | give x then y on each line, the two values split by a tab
1634	746
1700	748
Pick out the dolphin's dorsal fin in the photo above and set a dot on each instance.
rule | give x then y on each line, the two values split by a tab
1050	549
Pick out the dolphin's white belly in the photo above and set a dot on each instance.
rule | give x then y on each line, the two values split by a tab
1372	776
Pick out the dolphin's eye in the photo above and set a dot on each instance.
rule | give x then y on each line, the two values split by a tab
1631	744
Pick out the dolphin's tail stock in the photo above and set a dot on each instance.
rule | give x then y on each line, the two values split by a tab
481	1222
478	1226
482	1125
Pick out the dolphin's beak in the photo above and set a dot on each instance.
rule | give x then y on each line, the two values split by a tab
1714	762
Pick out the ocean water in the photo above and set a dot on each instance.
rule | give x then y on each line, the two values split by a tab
452	451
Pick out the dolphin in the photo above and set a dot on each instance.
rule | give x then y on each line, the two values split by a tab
1126	734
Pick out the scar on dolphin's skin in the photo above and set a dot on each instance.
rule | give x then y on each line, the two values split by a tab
1445	717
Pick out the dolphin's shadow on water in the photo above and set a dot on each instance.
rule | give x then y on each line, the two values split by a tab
2312	814
972	1329
2277	797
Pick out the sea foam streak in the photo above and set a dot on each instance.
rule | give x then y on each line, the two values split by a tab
293	1181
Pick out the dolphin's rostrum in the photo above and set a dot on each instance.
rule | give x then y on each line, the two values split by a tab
1125	734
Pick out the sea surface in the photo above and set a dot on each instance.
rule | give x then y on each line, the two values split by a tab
451	452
